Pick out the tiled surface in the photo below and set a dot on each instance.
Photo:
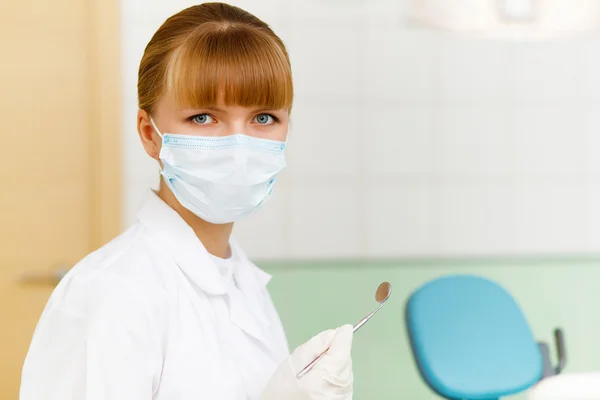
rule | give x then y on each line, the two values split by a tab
546	72
401	220
472	208
475	142
408	142
272	242
326	60
324	221
473	69
550	141
324	141
399	65
552	218
398	140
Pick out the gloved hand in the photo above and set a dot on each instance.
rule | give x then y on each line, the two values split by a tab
330	379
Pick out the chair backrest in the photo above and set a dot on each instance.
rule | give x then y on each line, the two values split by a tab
470	339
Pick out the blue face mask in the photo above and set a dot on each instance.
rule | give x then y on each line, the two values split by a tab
220	179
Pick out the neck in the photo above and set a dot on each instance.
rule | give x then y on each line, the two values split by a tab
215	238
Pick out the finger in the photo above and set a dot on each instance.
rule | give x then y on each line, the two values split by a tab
307	352
341	345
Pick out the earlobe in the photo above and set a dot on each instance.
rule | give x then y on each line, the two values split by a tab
147	134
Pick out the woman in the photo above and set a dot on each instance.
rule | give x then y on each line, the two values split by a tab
172	308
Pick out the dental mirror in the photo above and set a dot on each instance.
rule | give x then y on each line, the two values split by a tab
384	290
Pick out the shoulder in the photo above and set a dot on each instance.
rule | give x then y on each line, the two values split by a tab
125	274
100	317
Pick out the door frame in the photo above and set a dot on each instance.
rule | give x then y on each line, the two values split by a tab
105	81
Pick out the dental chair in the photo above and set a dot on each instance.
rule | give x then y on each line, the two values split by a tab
470	340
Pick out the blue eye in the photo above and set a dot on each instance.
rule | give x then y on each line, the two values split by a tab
203	119
264	119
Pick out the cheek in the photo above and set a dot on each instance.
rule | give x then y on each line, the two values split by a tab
282	135
184	128
210	129
158	144
278	132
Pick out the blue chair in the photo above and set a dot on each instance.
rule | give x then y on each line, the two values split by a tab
471	341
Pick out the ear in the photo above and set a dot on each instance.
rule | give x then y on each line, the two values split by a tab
148	135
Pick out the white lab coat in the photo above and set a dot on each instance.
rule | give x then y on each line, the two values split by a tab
149	316
568	386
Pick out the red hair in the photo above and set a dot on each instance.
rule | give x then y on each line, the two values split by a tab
212	52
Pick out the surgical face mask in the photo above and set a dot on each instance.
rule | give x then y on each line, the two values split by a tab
220	179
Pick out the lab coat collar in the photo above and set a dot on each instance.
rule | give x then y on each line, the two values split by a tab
188	252
181	243
249	277
246	308
244	314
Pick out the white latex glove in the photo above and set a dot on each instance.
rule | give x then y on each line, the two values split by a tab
330	379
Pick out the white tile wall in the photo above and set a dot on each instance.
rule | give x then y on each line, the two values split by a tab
323	141
326	12
552	218
589	65
273	239
550	141
409	143
399	65
592	211
591	128
402	220
474	141
324	221
476	218
399	140
546	72
326	60
473	70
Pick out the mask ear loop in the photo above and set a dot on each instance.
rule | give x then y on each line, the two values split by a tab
162	168
155	128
